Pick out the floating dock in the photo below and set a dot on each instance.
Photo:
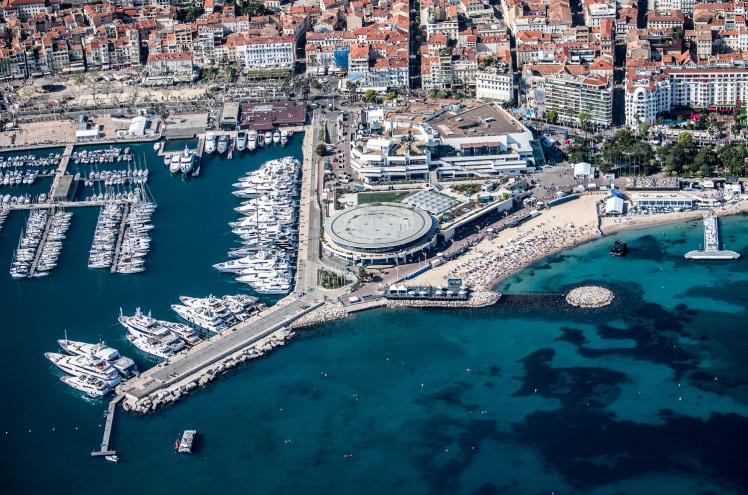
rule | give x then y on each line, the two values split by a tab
712	249
104	448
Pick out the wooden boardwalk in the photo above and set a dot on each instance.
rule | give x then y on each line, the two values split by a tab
104	448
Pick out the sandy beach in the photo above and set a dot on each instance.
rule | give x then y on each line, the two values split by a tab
556	229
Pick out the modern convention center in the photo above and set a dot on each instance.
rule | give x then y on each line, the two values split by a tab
379	233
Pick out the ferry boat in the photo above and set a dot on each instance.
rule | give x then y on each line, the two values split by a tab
252	140
619	249
276	136
210	142
241	141
151	346
85	366
223	143
184	444
89	385
124	365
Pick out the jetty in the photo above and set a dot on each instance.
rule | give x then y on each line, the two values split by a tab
712	245
120	238
104	448
200	364
40	247
60	173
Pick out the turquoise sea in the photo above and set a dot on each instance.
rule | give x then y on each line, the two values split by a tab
648	396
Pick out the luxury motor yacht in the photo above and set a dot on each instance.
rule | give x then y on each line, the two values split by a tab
202	317
86	366
223	143
186	161
89	385
124	365
269	137
184	332
212	303
146	326
276	136
151	346
210	142
284	137
241	141
252	140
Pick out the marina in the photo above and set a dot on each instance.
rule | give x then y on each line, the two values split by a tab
712	247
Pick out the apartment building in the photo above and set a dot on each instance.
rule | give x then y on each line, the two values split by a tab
573	95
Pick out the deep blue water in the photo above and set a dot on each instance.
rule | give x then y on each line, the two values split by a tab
527	397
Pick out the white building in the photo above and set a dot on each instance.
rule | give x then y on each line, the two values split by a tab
596	11
572	96
494	84
270	52
667	6
613	206
584	170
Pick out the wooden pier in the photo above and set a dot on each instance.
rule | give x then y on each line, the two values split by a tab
120	237
43	241
104	448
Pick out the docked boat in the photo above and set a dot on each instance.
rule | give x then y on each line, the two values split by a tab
141	325
260	140
156	146
214	304
184	444
85	366
167	159
276	136
269	137
151	346
186	161
619	248
174	166
241	141
89	385
252	140
200	316
124	365
223	143
210	142
284	137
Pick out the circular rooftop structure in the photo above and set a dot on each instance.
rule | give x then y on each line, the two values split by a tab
380	231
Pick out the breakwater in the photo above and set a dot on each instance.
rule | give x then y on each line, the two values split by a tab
478	299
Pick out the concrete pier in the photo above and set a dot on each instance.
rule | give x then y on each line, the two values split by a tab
40	247
104	448
712	249
61	170
120	237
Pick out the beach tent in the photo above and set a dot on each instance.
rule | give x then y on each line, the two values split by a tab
614	206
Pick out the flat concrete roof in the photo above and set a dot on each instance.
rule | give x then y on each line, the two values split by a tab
377	226
482	120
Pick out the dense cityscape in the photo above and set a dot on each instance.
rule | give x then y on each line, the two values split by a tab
521	221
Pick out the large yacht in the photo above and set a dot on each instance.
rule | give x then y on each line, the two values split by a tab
212	303
141	325
85	366
124	365
252	140
90	385
210	142
201	317
269	137
241	141
175	165
223	143
276	136
186	161
151	346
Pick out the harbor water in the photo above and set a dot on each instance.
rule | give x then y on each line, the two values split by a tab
645	396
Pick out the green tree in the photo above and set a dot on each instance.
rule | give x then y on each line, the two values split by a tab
321	149
584	120
390	96
643	129
733	158
252	8
551	116
369	95
706	161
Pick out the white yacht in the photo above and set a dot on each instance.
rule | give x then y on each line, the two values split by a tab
201	317
269	137
85	366
210	142
124	365
167	159
284	137
184	332
212	303
151	346
186	161
174	166
276	136
223	143
252	140
156	146
260	140
89	385
241	141
140	325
